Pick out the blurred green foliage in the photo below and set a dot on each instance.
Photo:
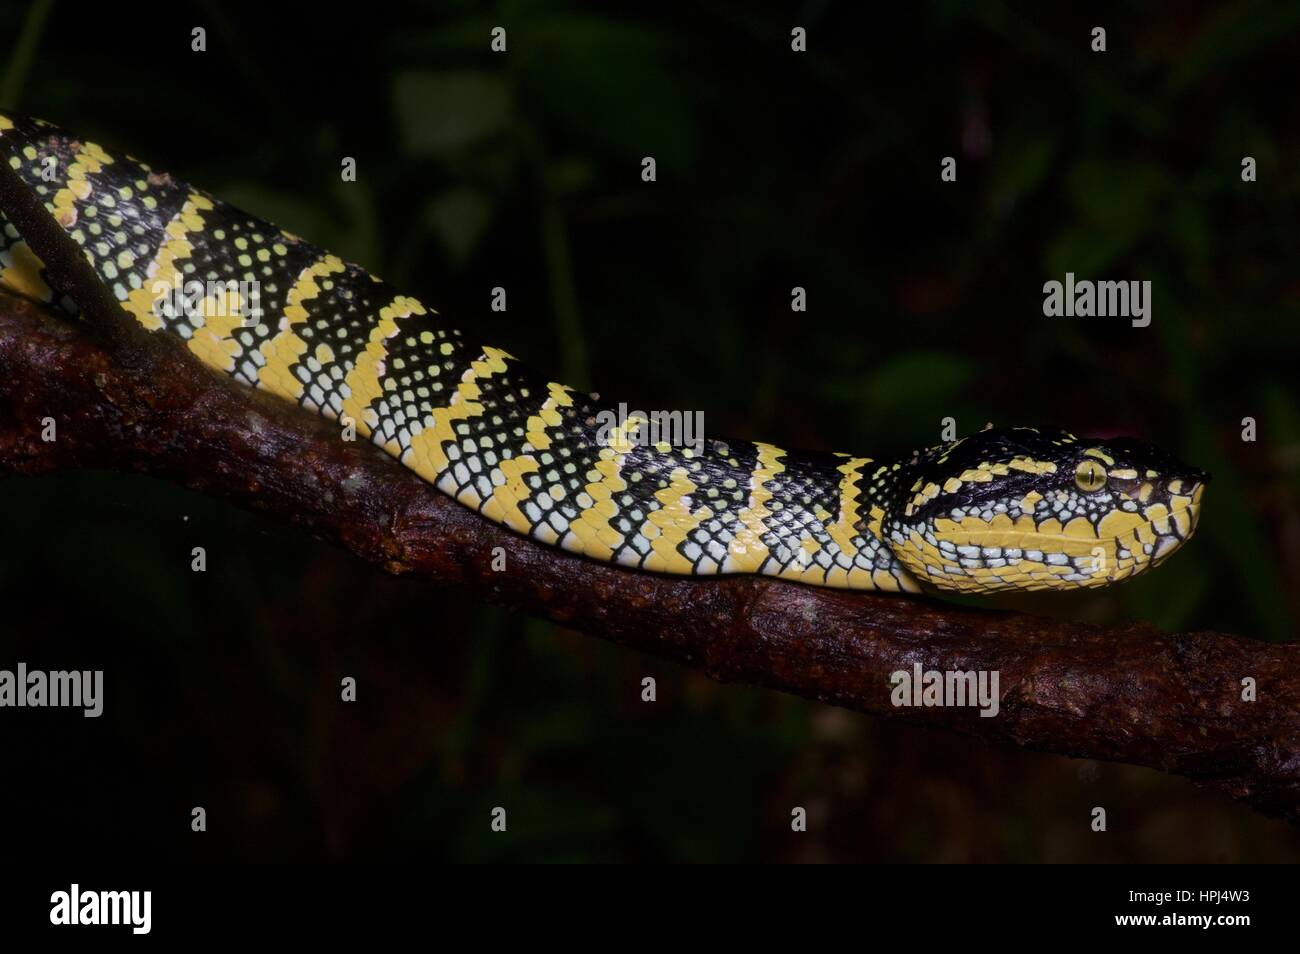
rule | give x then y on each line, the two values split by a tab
775	169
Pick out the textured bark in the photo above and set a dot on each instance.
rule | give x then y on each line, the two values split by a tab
1128	693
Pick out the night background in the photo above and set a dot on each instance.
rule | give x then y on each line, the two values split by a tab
775	169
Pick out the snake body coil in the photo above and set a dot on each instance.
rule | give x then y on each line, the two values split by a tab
1014	508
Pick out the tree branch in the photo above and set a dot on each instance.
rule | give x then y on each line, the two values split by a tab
1124	693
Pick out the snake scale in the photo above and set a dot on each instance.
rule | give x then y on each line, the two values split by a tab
1007	508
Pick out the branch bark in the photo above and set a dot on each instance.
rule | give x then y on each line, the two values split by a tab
1128	693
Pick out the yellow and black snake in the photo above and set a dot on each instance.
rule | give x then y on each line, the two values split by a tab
86	230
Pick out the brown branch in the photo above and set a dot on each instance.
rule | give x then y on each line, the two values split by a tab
1124	693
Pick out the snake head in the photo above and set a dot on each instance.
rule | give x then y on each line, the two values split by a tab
1037	508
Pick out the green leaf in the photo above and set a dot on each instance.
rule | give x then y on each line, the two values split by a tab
459	218
1110	191
1028	157
1234	32
1087	250
611	81
918	378
440	113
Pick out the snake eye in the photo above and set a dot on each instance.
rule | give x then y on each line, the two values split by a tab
1090	475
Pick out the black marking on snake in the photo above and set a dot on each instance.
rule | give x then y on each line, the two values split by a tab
1008	508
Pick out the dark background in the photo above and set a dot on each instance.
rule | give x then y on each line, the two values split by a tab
775	169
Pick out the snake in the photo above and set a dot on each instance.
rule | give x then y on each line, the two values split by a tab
103	237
